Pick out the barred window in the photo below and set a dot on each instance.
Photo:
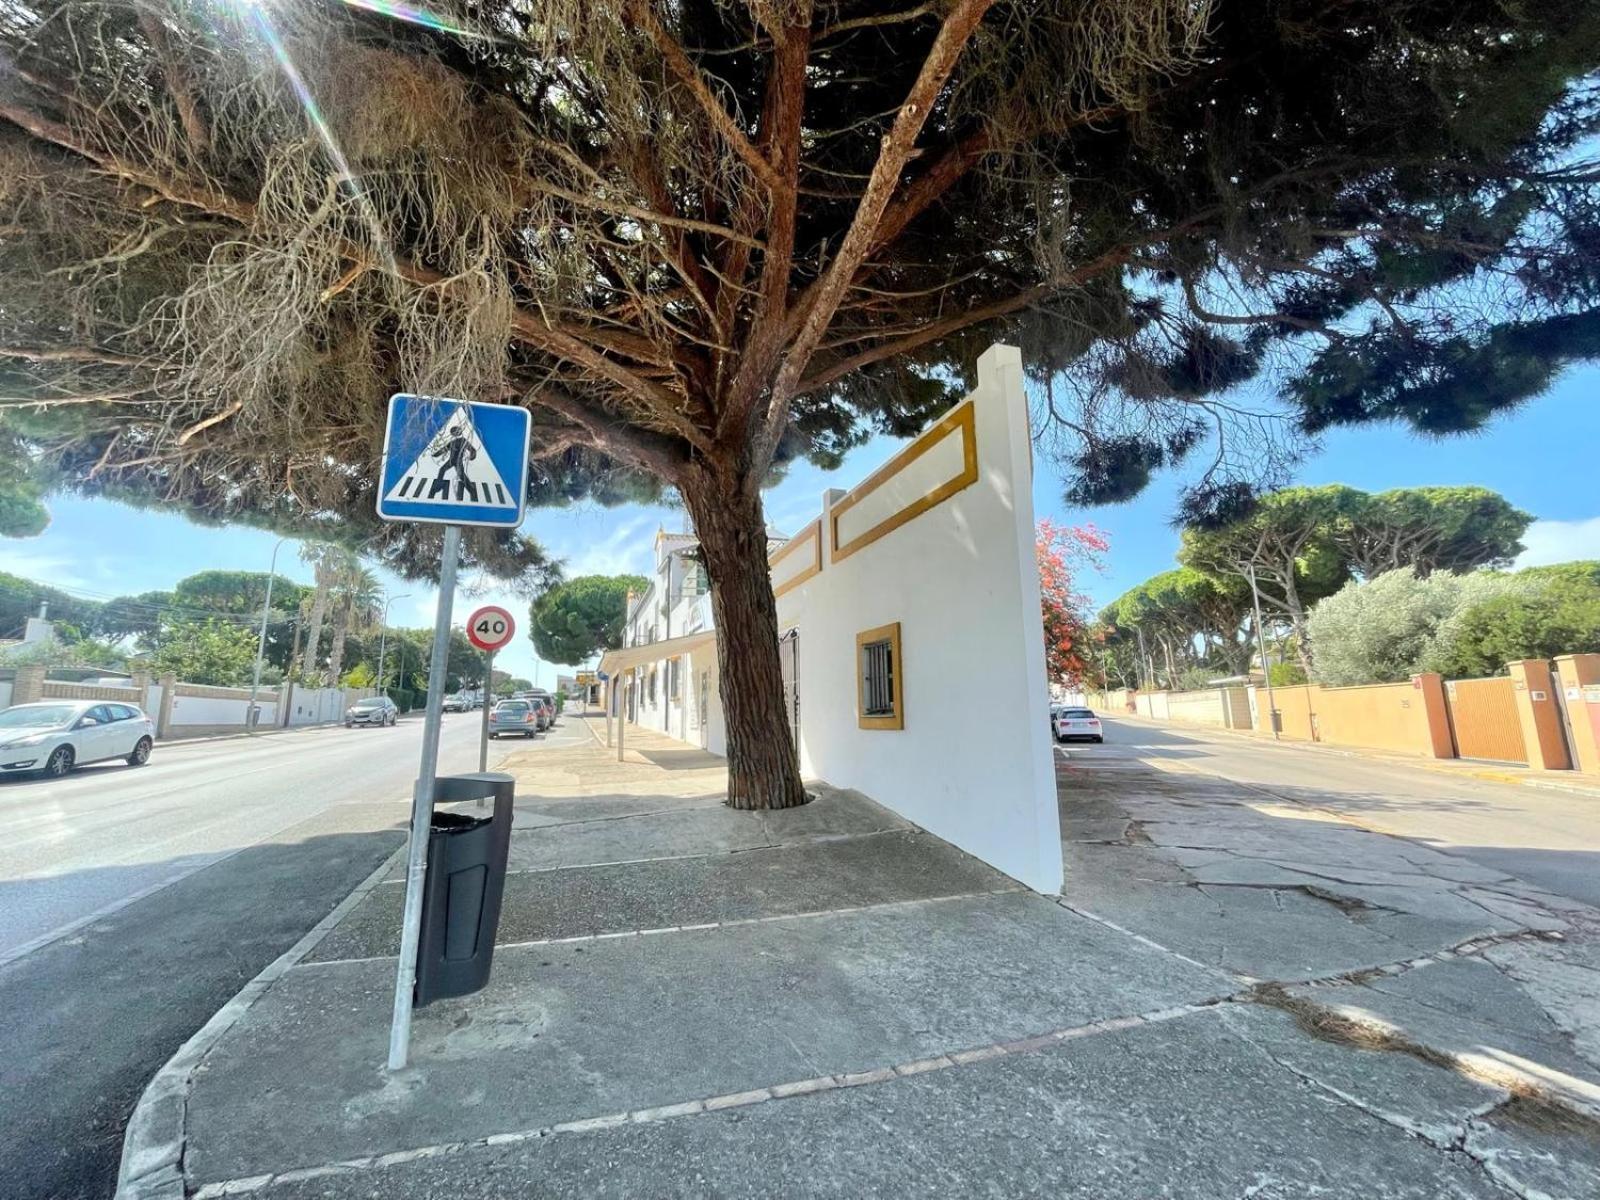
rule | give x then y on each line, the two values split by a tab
879	682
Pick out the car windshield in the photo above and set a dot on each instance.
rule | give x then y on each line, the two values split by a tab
42	714
372	703
1077	712
511	706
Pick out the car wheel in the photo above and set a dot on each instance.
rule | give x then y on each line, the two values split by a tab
141	753
59	763
1099	741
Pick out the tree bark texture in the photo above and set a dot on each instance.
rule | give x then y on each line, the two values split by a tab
763	767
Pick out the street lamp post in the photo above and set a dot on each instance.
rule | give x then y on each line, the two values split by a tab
1261	641
383	637
261	641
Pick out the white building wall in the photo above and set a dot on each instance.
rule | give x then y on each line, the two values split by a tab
941	541
973	763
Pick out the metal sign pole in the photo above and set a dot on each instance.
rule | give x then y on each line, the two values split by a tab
483	734
422	806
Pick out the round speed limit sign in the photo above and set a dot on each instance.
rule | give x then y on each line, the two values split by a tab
490	627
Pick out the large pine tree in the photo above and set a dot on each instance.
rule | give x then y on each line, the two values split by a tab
700	237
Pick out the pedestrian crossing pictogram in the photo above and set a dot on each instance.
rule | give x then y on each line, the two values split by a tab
454	468
454	462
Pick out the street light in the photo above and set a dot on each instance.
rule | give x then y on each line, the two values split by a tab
1261	641
261	641
383	637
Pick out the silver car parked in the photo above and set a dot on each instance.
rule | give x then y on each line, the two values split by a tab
53	736
514	717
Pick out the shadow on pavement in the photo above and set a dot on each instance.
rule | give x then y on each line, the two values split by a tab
88	1019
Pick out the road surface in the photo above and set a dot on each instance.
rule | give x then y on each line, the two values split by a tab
134	902
1545	836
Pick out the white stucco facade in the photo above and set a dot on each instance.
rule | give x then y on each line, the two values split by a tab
937	545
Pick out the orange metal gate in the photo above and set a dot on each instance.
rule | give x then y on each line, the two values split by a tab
1483	718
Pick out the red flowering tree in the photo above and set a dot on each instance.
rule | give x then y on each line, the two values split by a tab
1065	552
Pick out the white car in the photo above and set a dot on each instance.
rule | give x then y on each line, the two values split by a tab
1078	723
53	736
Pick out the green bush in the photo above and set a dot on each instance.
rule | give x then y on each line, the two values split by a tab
1286	674
1563	617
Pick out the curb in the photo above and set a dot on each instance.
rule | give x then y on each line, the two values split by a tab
153	1144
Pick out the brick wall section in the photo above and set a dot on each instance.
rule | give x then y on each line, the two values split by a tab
28	684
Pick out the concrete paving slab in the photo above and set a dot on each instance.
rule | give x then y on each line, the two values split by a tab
1182	1110
536	812
845	873
1431	1101
833	812
1563	979
1538	1151
1260	932
1467	1008
585	1029
654	835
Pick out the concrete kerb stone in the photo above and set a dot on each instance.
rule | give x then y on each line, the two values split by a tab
153	1144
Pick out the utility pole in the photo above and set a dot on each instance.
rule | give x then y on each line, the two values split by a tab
383	638
261	641
1261	641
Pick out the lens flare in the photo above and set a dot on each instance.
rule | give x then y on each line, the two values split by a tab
411	16
319	124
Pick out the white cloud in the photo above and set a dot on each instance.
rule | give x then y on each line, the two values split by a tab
1549	542
45	566
626	548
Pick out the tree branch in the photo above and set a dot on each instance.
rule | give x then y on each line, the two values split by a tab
897	148
689	75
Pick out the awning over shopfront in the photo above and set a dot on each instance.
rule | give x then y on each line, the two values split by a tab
614	662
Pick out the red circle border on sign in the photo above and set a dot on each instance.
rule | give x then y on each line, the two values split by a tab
485	611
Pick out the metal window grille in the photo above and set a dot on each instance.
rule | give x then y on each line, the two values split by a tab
877	673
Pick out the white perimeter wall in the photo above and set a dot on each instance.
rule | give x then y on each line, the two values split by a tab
217	710
316	706
974	761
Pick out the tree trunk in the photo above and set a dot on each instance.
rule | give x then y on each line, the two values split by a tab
319	609
763	768
1297	619
341	624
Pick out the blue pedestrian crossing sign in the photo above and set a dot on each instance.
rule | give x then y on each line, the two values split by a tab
454	462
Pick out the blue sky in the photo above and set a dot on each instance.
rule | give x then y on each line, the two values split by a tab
1544	458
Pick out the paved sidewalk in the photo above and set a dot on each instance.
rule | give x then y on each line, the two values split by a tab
1233	998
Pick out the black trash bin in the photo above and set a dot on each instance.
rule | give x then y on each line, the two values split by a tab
465	882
